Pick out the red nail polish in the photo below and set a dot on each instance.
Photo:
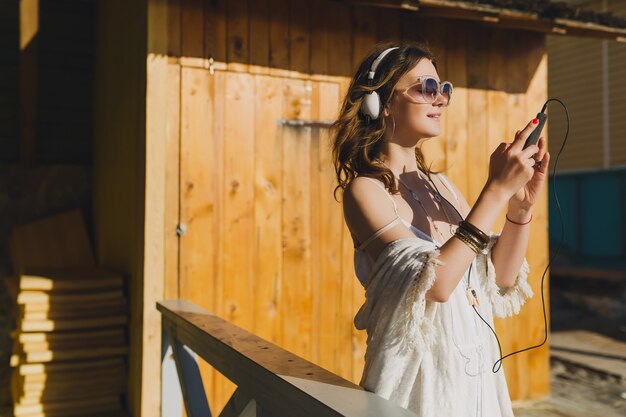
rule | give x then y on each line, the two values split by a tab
535	121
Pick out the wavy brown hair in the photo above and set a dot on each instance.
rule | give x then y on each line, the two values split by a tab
356	139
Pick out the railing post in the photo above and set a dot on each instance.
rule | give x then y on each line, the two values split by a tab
171	393
191	385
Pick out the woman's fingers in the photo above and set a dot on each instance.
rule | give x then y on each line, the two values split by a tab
529	152
545	162
520	139
542	148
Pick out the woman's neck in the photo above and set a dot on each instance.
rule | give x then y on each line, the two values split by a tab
398	158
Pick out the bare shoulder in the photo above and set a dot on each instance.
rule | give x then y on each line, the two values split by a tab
362	196
367	204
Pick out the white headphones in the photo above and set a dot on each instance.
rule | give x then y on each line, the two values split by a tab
371	105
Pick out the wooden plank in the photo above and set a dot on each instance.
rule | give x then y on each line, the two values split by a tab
63	325
63	309
477	115
215	30
238	37
238	203
71	380
389	27
92	390
456	119
340	33
69	338
25	297
172	182
201	190
319	39
318	324
330	325
585	342
56	241
192	25
49	356
279	35
497	98
299	35
70	408
115	340
259	36
174	45
268	312
352	297
154	186
69	279
115	309
296	225
237	404
154	205
410	27
62	367
364	32
156	165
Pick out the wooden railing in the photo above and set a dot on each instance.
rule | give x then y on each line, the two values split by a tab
270	380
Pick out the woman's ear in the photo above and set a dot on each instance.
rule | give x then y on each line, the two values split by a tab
386	111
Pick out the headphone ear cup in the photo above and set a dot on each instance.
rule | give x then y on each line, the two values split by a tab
370	106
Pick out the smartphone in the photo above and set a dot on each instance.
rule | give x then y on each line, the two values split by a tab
534	135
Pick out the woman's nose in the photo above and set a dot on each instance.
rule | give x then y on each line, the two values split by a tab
440	100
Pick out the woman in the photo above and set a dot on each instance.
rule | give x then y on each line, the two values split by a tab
430	267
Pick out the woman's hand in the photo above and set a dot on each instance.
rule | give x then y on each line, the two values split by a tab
527	196
511	168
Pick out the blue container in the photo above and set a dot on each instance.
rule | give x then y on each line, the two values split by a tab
593	207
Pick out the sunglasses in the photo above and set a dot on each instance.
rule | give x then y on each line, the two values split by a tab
426	89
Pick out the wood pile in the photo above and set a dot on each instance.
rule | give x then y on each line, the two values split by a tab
69	356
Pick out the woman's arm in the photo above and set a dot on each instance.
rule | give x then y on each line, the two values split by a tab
508	253
456	255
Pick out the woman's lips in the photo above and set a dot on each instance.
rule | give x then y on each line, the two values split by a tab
435	116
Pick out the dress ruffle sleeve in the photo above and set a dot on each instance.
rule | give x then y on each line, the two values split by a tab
504	301
398	318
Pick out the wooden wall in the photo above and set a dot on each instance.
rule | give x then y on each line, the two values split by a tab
9	81
265	246
119	155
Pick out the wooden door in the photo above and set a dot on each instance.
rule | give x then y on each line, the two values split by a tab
263	240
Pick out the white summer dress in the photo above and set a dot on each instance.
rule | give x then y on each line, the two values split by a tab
455	378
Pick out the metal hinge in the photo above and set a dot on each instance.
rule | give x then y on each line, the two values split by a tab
305	123
181	229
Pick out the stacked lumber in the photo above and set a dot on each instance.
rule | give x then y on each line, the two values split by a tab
70	349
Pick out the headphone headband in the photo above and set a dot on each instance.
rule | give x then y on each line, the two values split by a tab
377	61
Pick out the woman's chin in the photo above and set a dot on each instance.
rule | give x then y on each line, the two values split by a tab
431	133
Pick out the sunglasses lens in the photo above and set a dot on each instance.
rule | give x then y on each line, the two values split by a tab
446	91
429	89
